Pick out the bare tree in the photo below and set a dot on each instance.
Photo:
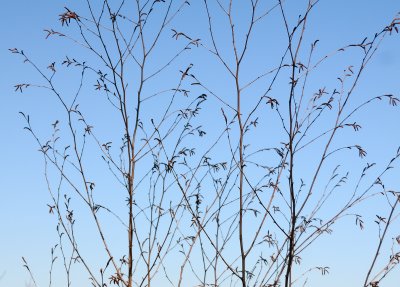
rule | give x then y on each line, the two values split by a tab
169	177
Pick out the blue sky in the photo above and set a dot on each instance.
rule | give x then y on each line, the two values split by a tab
28	230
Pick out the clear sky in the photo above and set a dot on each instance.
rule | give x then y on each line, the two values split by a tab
26	228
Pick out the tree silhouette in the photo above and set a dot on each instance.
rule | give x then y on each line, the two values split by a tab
192	149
